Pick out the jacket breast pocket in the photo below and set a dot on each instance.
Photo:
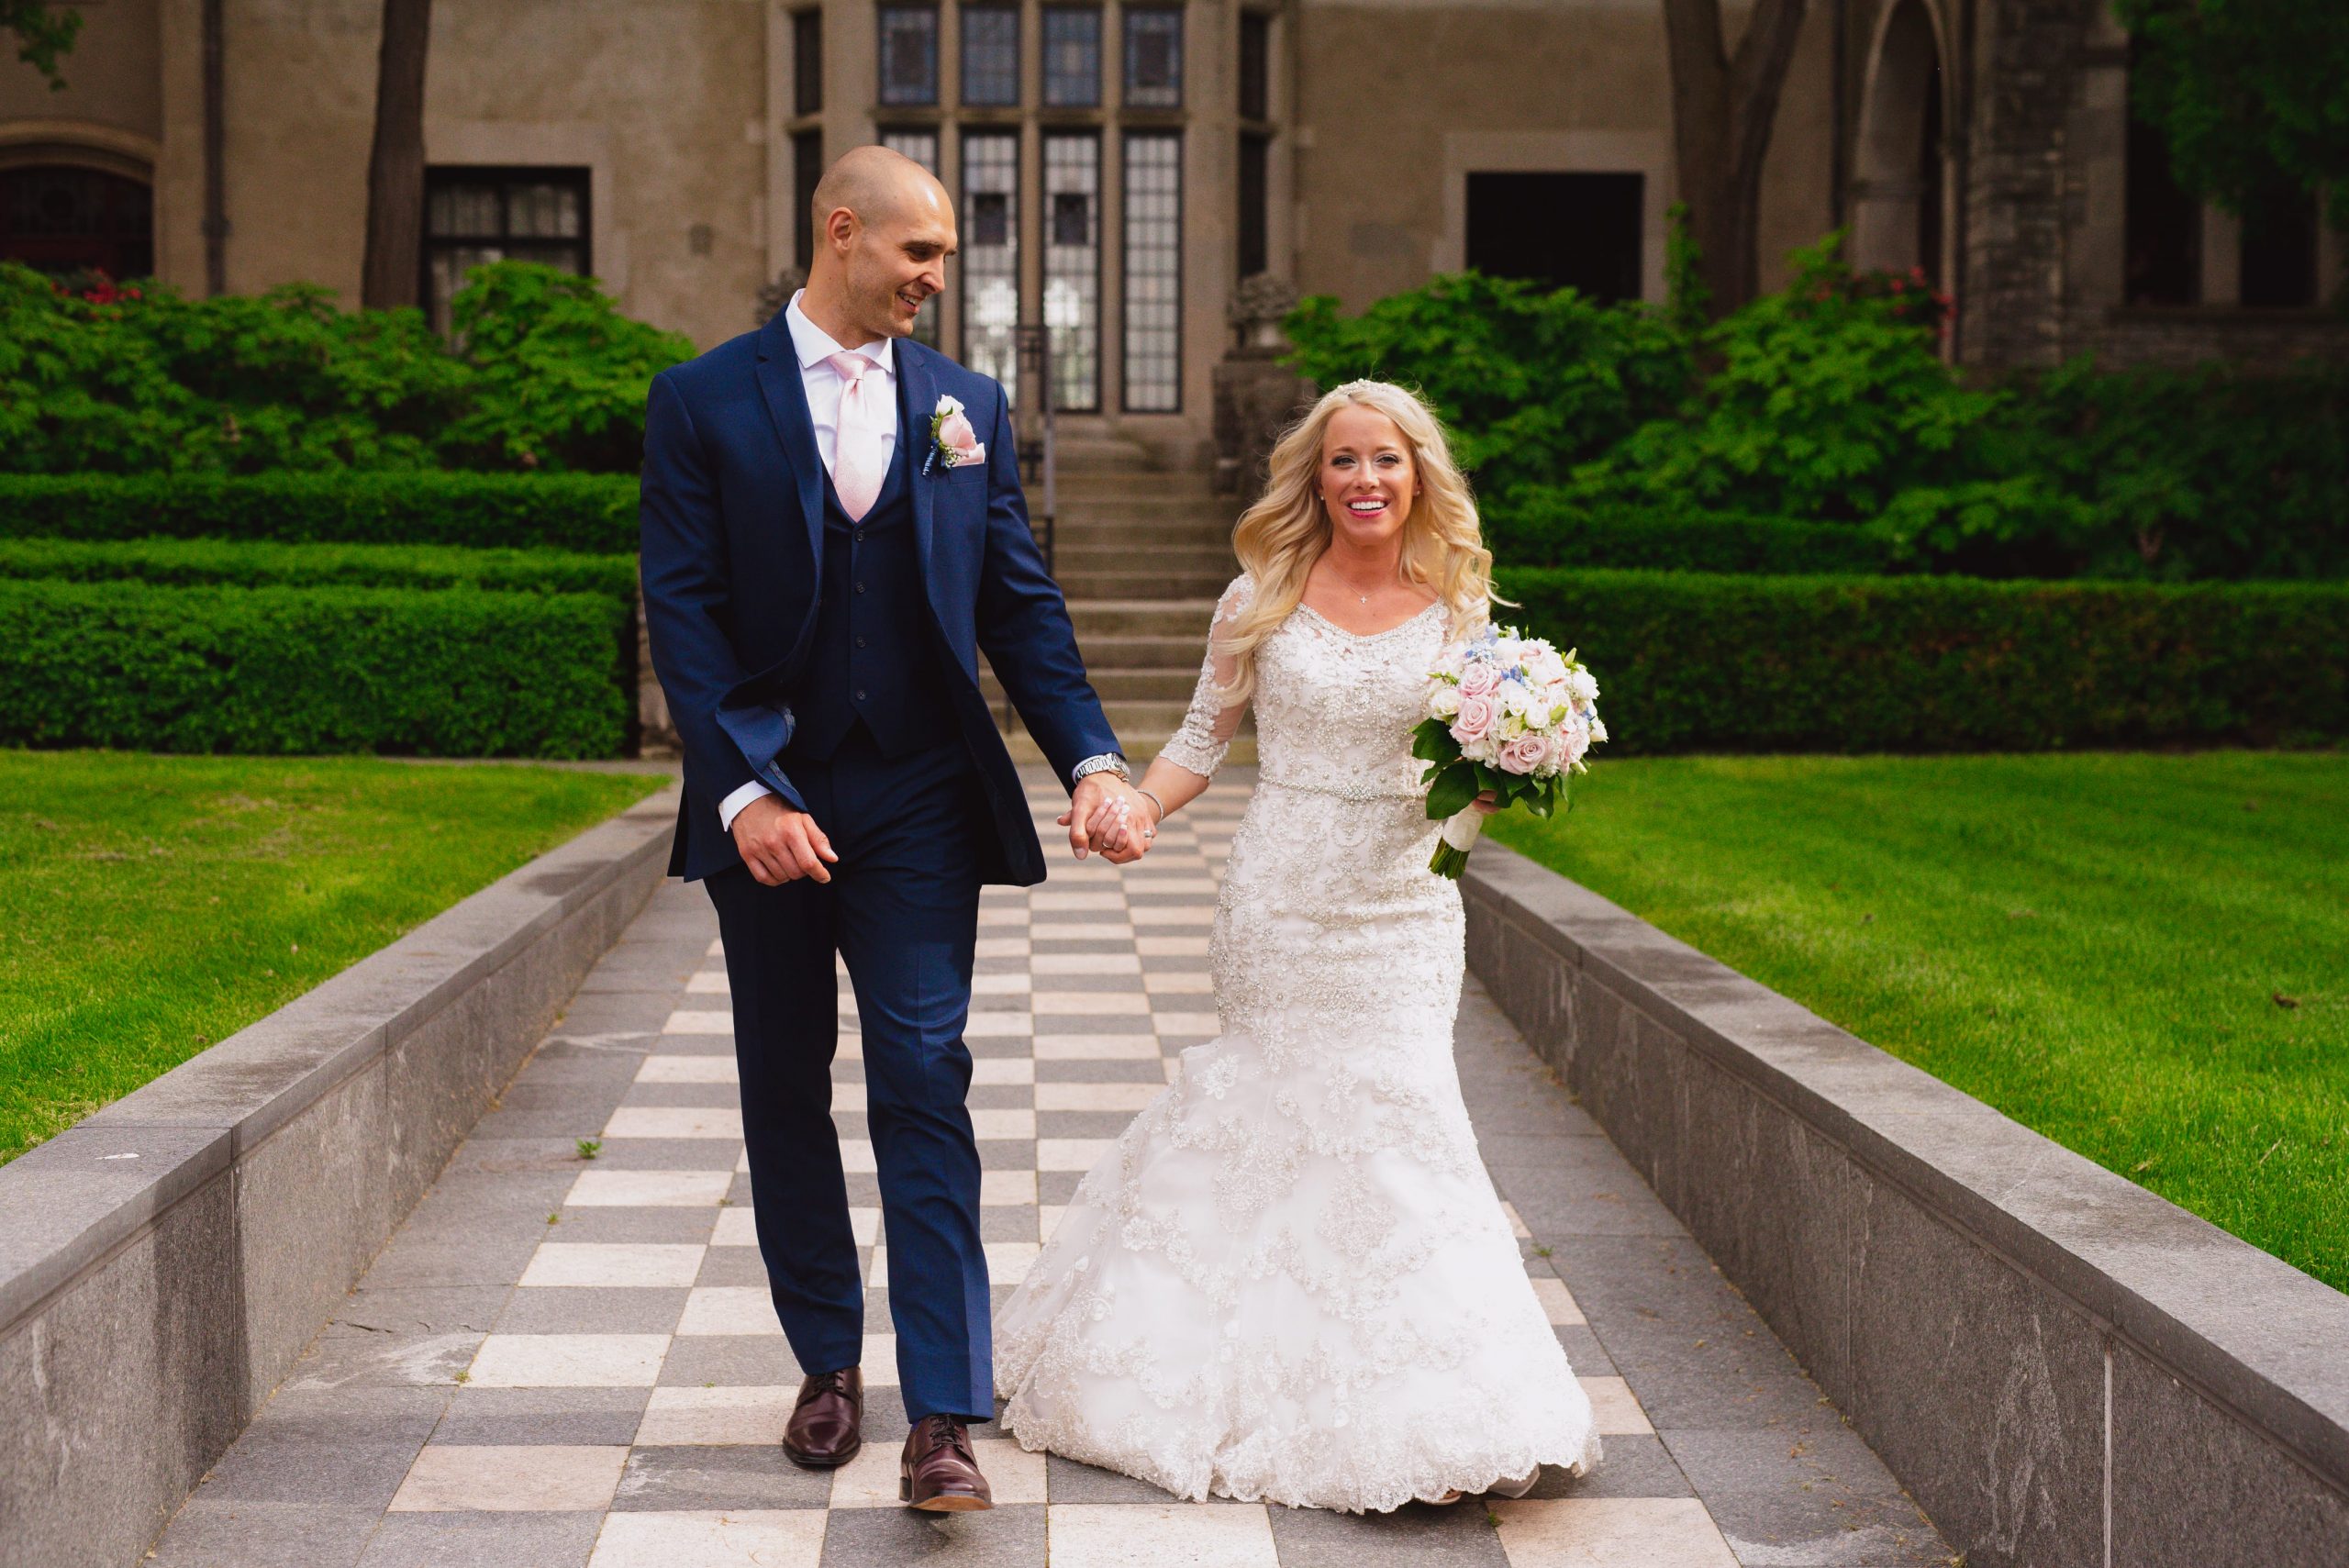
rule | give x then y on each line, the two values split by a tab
976	473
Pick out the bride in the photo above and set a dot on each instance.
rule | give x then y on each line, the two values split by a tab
1290	1279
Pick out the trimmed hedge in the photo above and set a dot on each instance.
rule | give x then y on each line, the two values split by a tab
1689	661
196	563
457	673
1533	529
592	512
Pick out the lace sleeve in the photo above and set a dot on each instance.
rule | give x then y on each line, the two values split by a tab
1200	743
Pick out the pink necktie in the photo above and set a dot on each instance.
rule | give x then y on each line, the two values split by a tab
856	449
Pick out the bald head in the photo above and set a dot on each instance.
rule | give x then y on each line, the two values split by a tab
884	229
878	184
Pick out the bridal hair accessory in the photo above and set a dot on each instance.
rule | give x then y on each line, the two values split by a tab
1506	713
951	439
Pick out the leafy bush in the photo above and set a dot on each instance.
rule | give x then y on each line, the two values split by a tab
1689	661
590	513
1546	527
546	375
1529	382
276	670
205	562
1828	403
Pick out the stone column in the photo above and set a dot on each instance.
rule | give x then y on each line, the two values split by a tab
1256	396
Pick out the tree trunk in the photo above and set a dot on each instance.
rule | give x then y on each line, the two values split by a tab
1722	113
395	163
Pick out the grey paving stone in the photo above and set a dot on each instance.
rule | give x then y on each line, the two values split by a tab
1454	1535
732	1265
671	1227
502	1416
478	1540
670	1154
697	1096
384	1361
372	1434
1007	1536
224	1532
1081	1124
1635	1464
1005	1222
1113	1070
431	1309
562	1309
1584	1352
730	1361
708	1477
1069	1480
483	1156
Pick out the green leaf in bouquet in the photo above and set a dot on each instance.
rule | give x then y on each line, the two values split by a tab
1452	792
1432	739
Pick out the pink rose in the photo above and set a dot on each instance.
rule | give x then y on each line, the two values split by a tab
1523	754
955	431
1480	678
1478	712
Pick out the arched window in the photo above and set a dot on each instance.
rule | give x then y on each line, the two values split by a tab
1898	187
62	218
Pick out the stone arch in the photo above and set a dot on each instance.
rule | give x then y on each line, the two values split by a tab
1900	181
76	195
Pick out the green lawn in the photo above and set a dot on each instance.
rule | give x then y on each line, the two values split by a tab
150	904
2146	957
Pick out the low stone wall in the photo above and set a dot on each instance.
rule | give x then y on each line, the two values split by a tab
163	1262
2065	1370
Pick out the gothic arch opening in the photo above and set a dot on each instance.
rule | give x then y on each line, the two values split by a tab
1899	175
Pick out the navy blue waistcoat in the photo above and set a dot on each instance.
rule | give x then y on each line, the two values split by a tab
872	658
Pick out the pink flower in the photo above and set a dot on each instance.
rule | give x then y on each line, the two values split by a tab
1478	712
1480	678
955	431
1525	754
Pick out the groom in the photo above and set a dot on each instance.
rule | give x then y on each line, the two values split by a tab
819	571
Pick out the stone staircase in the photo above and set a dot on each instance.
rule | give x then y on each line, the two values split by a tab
1141	554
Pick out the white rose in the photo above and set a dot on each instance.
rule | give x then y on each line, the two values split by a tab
1582	685
1598	729
1443	701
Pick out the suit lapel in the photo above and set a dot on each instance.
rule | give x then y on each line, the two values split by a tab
787	400
917	395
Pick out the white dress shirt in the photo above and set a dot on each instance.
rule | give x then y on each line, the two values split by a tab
815	347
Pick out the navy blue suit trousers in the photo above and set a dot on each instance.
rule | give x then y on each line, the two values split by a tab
902	912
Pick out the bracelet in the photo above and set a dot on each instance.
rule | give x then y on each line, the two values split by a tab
1154	801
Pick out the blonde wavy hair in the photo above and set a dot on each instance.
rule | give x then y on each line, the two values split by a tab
1280	538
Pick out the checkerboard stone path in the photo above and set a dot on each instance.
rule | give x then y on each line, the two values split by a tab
562	1362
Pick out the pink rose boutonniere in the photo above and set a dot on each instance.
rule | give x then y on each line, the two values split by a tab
951	439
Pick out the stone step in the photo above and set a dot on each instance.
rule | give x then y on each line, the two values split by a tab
1121	483
1144	579
1096	454
1103	535
1156	511
1113	685
1141	734
1114	651
1187	620
1089	552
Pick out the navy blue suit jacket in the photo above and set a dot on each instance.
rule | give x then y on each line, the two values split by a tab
730	517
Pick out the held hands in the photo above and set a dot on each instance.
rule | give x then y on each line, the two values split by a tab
1106	814
781	845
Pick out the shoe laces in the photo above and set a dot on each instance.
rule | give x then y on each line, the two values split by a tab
945	1430
826	1383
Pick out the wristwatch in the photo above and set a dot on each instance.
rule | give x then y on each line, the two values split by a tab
1107	763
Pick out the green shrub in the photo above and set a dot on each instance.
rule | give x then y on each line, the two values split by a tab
1543	527
455	674
590	513
1696	661
1529	381
546	376
208	563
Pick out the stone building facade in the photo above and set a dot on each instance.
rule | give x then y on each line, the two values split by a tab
1121	166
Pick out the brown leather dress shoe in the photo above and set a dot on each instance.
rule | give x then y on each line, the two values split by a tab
827	1425
938	1471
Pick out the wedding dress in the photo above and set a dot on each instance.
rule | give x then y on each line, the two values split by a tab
1290	1279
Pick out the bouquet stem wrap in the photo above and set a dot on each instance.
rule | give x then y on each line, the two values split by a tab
1459	836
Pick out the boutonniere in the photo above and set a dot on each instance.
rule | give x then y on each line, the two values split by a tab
951	439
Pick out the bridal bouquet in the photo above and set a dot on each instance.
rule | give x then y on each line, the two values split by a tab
1506	713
